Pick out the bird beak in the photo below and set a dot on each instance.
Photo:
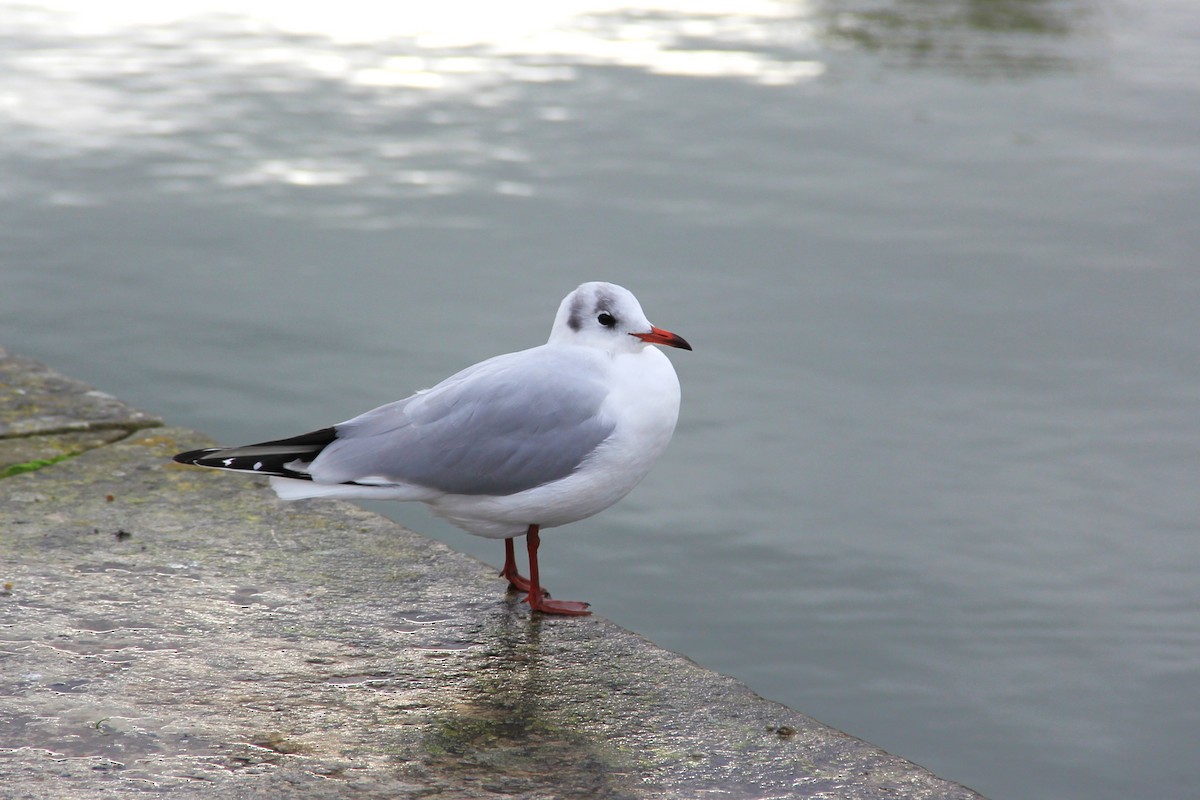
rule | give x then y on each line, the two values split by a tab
659	336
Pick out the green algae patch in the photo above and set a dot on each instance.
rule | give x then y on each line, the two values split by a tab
20	454
34	465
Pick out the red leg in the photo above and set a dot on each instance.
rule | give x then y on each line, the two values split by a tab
515	579
537	599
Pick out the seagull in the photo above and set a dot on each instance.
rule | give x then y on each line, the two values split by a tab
520	442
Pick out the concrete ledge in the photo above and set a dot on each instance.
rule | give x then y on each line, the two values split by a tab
35	400
166	629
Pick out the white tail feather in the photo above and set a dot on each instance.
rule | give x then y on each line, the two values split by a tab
294	489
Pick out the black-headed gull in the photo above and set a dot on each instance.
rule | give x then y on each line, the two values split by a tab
514	444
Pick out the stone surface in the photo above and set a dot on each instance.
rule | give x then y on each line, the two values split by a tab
35	399
171	631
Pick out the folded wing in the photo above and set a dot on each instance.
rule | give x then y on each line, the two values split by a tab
503	426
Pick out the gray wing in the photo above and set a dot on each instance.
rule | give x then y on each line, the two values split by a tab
502	426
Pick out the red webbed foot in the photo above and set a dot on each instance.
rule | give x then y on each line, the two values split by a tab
570	608
538	599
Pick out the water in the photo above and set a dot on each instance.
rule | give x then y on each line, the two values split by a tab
935	477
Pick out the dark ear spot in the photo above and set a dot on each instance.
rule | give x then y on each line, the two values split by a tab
575	317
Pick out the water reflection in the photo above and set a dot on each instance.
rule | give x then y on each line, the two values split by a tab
978	37
504	739
259	100
263	99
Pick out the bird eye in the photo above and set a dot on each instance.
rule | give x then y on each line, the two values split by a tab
606	319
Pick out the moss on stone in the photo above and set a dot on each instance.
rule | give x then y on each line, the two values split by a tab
35	464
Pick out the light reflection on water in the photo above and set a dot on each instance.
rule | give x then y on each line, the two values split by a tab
933	477
451	49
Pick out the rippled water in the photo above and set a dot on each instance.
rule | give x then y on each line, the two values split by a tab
935	477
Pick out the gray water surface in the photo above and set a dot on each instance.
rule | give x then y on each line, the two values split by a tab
935	479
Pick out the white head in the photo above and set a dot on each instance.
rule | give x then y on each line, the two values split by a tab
608	317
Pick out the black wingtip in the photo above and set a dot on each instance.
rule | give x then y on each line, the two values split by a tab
264	458
192	456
